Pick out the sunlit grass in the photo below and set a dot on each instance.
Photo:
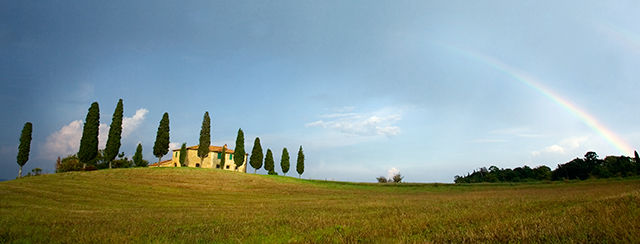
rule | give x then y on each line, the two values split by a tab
187	205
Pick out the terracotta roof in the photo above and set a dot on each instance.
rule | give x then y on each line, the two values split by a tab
161	163
211	149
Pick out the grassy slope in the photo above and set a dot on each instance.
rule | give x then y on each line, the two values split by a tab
189	205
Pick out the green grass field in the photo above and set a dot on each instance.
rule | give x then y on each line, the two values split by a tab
188	205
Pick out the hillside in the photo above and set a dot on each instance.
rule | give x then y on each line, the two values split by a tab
187	205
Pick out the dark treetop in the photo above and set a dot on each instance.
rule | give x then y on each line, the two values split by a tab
25	144
284	161
115	134
239	153
205	137
89	142
161	147
269	164
300	165
183	154
256	155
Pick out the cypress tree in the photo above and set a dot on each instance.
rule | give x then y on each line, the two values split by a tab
183	154
284	161
256	155
115	134
205	138
269	164
300	165
161	146
137	157
239	153
89	142
223	156
25	146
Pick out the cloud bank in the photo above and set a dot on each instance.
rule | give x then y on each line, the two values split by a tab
360	124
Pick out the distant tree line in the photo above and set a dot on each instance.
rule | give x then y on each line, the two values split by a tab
579	168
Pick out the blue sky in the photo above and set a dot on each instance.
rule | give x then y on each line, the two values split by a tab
366	87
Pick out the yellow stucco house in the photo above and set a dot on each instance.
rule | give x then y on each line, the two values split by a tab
211	161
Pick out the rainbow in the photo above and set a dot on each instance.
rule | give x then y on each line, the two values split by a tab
532	83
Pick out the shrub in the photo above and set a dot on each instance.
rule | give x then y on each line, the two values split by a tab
397	178
382	179
70	163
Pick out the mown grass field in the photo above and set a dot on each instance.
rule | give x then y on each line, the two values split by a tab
188	205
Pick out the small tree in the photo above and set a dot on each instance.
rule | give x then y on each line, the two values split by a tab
382	179
115	134
300	165
70	163
36	171
238	152
161	146
25	146
183	154
89	141
269	164
223	156
205	138
137	157
397	178
284	161
256	155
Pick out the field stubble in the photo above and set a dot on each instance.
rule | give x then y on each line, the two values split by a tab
183	205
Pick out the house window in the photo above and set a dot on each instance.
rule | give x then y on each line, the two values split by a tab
197	165
219	155
230	156
227	166
175	165
217	166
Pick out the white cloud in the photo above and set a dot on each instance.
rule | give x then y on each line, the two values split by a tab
64	142
360	124
565	146
391	172
549	149
131	124
103	134
174	145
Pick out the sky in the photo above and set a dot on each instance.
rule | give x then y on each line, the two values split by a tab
430	89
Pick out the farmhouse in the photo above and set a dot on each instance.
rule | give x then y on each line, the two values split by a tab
211	161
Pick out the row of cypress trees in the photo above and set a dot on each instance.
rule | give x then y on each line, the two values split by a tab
256	160
239	153
88	150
